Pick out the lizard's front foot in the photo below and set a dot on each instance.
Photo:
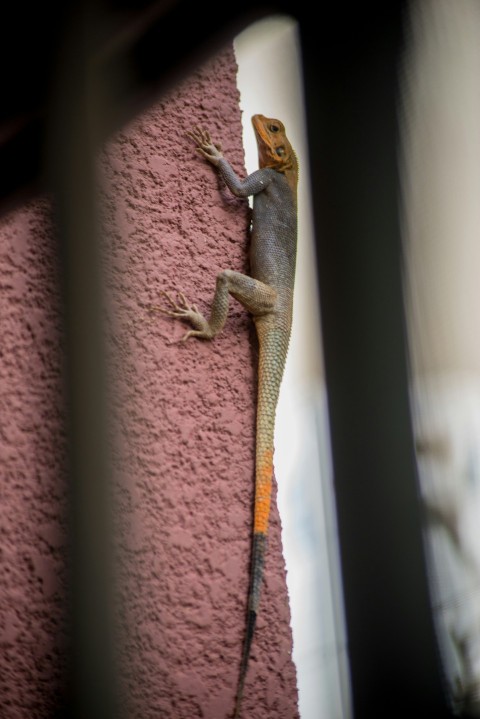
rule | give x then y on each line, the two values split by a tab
184	311
210	150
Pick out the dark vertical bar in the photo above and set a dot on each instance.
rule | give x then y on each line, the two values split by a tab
74	131
351	63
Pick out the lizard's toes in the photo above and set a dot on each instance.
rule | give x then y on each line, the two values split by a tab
169	298
182	300
158	308
184	304
185	337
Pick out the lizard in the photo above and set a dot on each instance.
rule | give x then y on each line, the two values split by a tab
268	295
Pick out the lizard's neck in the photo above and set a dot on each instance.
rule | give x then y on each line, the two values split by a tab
292	176
288	166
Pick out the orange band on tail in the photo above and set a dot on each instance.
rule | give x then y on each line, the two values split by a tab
263	492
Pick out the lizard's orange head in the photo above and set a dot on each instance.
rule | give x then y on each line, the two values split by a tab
274	149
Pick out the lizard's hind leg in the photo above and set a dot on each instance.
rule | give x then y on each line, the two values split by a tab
254	295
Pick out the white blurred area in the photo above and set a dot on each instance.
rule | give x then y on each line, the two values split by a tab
441	202
269	81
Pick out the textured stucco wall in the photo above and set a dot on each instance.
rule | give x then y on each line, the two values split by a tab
184	418
32	461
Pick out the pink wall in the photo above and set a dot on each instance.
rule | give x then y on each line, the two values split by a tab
184	427
32	478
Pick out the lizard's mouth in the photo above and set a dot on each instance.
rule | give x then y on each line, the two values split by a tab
259	124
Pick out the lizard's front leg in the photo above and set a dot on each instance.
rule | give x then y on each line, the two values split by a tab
255	296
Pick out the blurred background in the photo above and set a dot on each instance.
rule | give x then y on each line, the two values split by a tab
441	213
270	82
439	157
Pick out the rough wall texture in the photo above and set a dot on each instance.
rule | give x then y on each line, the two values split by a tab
185	435
32	476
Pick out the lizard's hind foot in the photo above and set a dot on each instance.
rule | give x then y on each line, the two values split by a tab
182	310
178	309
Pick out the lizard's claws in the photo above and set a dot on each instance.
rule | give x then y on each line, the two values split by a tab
199	135
181	309
211	151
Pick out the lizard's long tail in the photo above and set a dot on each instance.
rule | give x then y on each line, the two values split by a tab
258	558
273	350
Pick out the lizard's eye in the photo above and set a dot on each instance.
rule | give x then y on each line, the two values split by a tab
280	151
274	128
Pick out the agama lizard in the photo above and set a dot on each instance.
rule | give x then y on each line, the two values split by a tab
268	295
